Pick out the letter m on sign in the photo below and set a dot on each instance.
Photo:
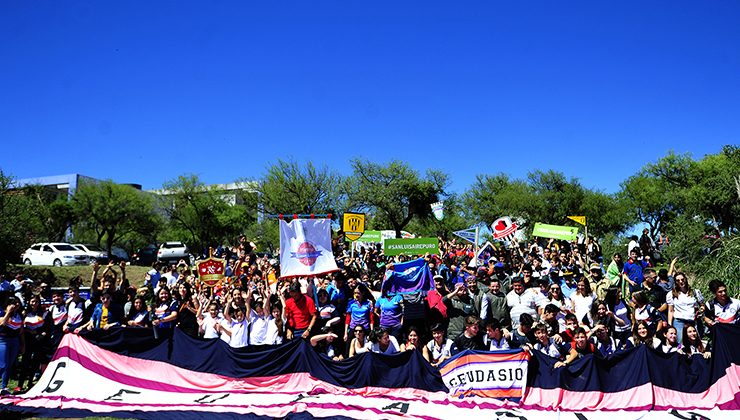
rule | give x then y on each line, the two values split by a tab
353	226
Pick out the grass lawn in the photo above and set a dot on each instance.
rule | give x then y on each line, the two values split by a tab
60	276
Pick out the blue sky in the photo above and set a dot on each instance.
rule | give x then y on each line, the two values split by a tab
140	91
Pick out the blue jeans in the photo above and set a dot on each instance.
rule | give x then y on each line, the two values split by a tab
9	347
680	324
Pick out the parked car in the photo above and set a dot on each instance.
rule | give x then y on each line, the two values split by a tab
145	256
56	254
95	252
119	254
173	252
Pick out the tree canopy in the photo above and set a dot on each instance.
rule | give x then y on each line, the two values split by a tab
113	211
394	193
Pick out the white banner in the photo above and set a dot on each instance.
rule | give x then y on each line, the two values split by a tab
305	248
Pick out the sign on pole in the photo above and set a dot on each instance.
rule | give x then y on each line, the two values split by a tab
578	219
354	225
503	227
438	209
567	233
211	271
413	246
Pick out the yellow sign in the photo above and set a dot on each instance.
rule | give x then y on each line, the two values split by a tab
354	225
578	219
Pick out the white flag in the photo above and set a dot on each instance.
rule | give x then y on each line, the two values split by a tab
305	248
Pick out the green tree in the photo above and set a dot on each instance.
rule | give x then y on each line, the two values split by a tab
494	196
203	216
289	188
454	219
394	192
711	190
21	223
112	211
656	194
547	197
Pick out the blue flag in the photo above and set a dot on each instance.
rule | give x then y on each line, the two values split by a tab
409	277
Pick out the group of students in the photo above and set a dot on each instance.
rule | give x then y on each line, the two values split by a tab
553	297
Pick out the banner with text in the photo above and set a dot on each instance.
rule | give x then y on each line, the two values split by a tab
412	246
567	233
500	375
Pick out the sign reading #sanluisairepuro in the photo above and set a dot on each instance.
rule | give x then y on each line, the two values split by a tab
413	246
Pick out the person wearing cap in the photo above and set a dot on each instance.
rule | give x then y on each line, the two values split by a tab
436	309
599	283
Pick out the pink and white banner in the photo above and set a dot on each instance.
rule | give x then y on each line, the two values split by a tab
86	380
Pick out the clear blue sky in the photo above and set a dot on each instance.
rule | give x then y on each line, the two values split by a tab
142	91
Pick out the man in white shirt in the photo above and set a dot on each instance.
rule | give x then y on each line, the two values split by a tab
521	301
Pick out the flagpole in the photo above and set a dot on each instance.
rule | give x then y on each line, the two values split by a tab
475	255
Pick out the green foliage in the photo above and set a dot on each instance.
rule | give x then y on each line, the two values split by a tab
546	197
61	276
611	244
265	234
110	212
722	263
495	196
20	225
711	192
394	193
453	220
202	216
289	188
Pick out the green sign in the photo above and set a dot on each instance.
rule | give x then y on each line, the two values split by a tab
542	230
370	236
414	246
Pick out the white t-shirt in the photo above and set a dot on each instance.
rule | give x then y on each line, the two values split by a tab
208	325
551	349
683	306
582	306
258	329
494	345
521	304
560	316
239	333
437	352
393	347
171	279
227	325
273	334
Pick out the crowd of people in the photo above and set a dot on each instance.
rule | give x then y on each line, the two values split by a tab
557	297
